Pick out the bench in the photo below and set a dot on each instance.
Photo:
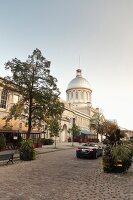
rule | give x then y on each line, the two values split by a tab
7	156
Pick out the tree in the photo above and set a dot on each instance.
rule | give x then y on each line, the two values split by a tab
38	89
75	131
117	156
54	129
112	132
96	122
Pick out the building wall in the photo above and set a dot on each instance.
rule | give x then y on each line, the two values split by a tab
81	110
81	119
78	95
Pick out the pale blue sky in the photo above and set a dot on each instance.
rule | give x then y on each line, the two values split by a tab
100	31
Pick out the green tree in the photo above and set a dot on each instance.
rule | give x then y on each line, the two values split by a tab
38	90
54	129
75	131
96	122
112	132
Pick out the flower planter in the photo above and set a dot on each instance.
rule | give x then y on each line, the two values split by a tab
117	167
27	152
26	155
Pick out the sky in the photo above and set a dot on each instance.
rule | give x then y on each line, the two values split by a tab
99	31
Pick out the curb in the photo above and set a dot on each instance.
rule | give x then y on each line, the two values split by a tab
52	150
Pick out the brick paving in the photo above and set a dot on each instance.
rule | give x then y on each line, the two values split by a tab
61	176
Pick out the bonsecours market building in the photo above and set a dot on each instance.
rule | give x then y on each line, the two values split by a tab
78	107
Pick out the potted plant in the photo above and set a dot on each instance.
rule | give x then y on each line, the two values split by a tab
117	158
122	157
27	152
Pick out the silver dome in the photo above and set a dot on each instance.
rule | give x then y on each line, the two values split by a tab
78	82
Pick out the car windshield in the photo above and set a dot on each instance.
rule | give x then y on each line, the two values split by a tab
90	145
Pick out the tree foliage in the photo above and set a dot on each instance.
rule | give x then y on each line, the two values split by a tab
75	130
112	132
38	89
115	151
54	128
96	121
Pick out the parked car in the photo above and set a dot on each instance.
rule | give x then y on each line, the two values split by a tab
91	150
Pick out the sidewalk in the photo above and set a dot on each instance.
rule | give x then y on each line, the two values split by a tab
51	148
59	146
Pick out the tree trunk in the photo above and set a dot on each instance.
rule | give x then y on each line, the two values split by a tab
55	142
29	119
72	138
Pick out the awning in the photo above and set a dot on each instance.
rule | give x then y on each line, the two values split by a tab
17	131
85	132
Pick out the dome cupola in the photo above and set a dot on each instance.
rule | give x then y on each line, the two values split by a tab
79	90
78	82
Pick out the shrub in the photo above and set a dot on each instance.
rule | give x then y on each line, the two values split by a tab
27	152
105	141
20	140
108	160
117	158
33	154
47	141
129	143
2	142
122	154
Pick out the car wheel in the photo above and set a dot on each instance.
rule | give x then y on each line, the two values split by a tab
96	156
77	156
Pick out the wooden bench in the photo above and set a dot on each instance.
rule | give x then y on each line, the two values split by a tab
7	156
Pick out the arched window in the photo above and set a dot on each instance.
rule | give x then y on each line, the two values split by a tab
82	95
87	96
3	98
71	95
76	95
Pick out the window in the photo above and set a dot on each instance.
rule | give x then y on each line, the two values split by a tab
76	95
71	95
3	98
82	95
15	98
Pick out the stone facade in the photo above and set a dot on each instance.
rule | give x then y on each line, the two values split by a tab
78	106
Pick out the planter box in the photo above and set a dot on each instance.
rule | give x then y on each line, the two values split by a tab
26	155
118	167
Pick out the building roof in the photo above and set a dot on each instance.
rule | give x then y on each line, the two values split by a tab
87	133
79	82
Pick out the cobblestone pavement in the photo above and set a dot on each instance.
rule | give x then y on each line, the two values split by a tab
61	176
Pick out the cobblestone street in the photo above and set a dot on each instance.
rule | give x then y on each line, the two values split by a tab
61	176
